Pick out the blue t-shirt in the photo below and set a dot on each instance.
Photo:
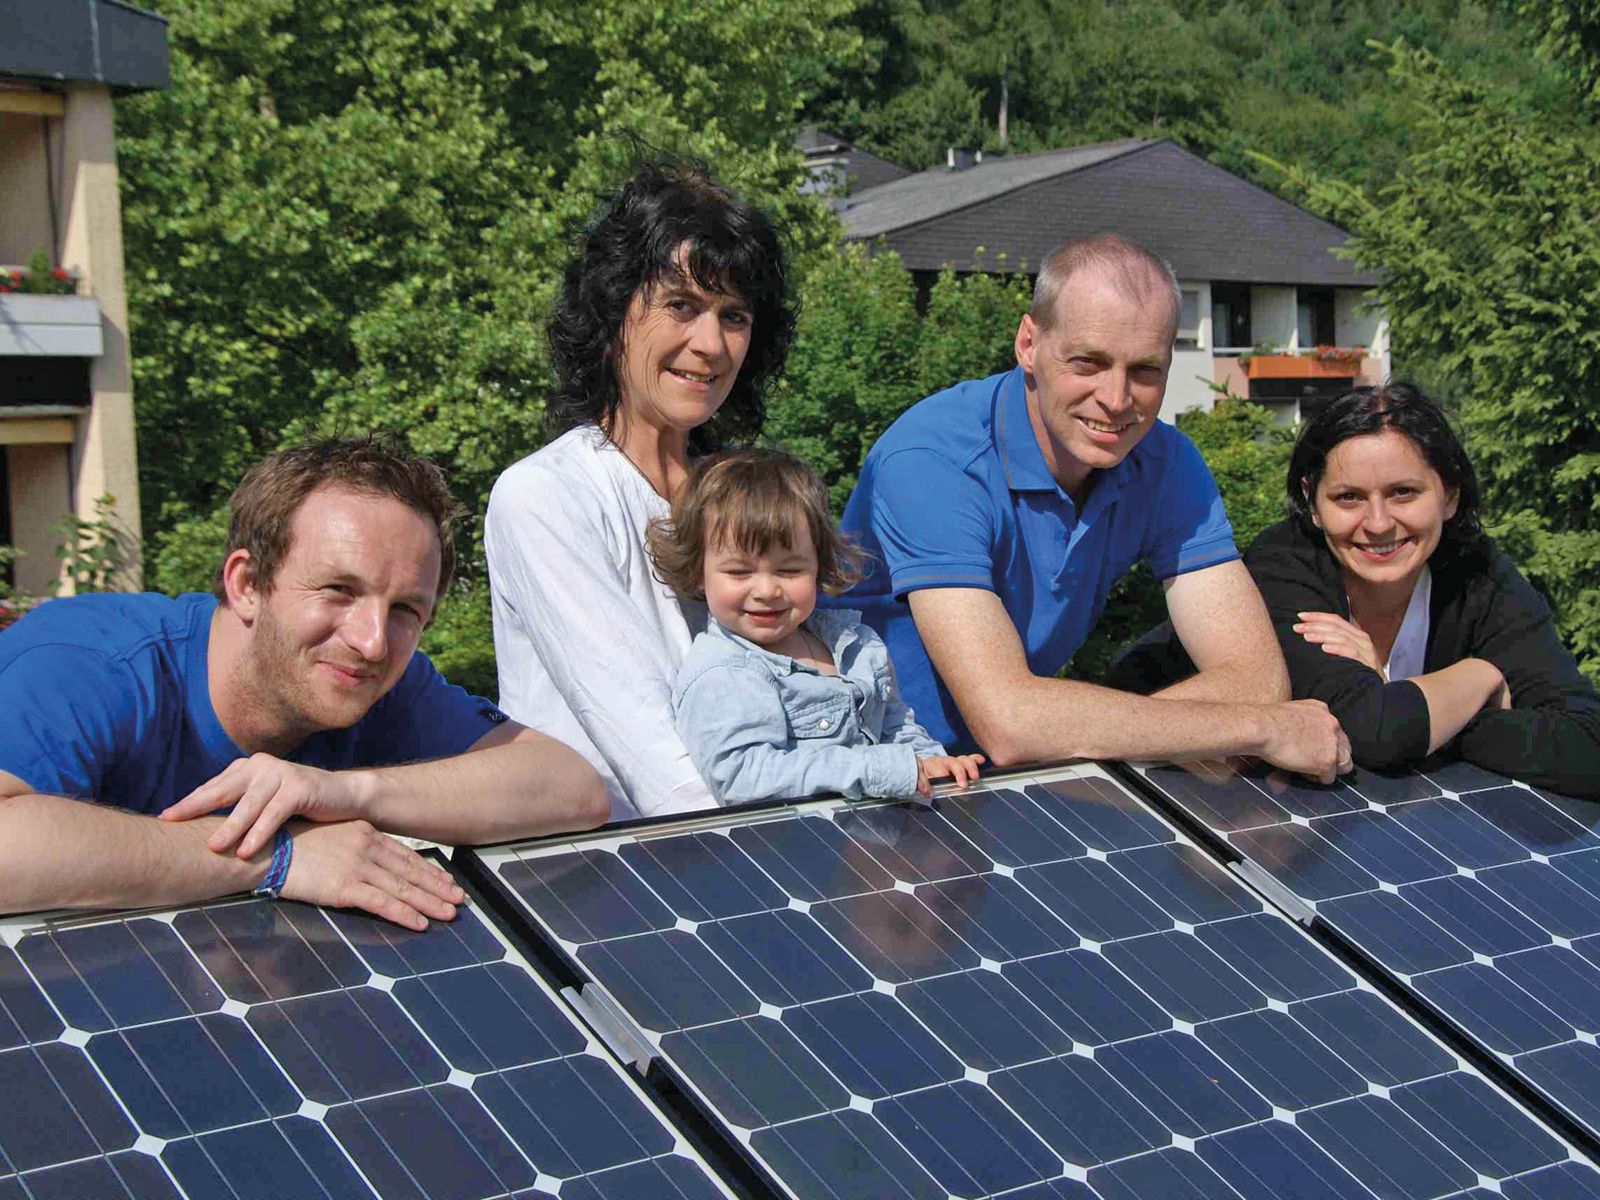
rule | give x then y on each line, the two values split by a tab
956	493
104	697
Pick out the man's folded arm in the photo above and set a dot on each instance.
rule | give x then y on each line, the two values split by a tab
1220	618
1019	717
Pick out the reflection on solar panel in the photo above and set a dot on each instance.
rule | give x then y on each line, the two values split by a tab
1040	991
253	1049
1481	896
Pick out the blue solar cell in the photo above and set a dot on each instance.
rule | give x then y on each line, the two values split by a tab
68	1113
1008	827
811	858
669	1178
25	1016
844	1156
984	1020
895	936
267	1161
1384	1148
873	1045
1188	980
1189	886
269	951
1547	896
468	1156
996	916
1458	833
1475	916
1536	824
1075	1105
1462	777
1479	1125
912	844
190	1076
1183	1083
703	877
1565	982
1383	847
1391	789
1058	1189
395	952
668	982
1169	1174
756	1071
1302	798
1272	955
1089	998
1568	1073
1372	1037
762	949
1395	933
1100	814
488	1018
967	1140
1279	1058
1274	1160
103	976
598	1123
346	1045
1569	1181
1303	861
1229	804
1583	868
1495	1010
125	1176
588	896
1094	900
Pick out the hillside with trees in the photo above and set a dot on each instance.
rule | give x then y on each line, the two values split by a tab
345	218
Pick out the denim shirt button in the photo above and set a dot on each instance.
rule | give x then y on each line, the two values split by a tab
824	724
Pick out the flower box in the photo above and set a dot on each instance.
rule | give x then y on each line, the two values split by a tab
1295	366
58	326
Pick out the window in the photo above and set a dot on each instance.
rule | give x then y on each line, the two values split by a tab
1314	317
1189	320
1230	316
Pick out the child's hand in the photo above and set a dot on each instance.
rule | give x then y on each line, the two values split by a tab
963	768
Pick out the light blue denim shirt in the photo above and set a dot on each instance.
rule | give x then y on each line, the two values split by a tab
761	726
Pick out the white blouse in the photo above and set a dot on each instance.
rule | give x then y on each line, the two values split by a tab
1410	649
587	641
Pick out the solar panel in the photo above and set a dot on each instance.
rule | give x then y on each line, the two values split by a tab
1479	895
1042	991
259	1049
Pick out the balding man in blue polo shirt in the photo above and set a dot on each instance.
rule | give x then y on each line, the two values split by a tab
999	513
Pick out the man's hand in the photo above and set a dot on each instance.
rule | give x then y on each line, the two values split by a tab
265	792
1340	637
1304	737
963	768
349	864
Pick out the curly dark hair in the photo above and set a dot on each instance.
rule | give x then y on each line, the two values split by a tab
634	243
750	498
1404	408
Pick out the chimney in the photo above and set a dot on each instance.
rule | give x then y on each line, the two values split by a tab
962	160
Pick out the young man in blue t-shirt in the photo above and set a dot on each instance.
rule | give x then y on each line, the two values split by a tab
296	695
998	514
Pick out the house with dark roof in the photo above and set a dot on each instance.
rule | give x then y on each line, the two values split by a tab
1269	308
66	379
836	168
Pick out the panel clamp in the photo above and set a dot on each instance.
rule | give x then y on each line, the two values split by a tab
614	1026
1293	906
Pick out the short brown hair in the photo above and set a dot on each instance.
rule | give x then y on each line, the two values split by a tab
750	499
261	509
1131	267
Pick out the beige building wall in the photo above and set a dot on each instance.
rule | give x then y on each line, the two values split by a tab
49	480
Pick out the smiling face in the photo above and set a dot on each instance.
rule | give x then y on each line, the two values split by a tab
345	610
681	349
1096	376
1382	508
764	598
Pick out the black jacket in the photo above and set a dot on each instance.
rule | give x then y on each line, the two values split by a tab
1482	608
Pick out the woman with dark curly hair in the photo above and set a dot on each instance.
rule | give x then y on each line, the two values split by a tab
1395	609
672	319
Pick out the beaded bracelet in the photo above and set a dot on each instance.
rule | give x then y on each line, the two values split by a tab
278	869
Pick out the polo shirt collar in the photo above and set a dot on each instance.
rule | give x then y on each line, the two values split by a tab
1025	468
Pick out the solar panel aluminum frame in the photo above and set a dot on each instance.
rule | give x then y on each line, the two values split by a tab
15	929
483	864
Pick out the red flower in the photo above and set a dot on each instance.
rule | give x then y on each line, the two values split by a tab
58	273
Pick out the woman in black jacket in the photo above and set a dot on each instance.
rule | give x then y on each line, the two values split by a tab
1394	608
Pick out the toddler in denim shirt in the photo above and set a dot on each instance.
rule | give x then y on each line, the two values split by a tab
776	699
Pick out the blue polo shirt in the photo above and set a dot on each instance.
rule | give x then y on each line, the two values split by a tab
104	697
956	493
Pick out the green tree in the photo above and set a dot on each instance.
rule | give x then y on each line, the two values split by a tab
1489	248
